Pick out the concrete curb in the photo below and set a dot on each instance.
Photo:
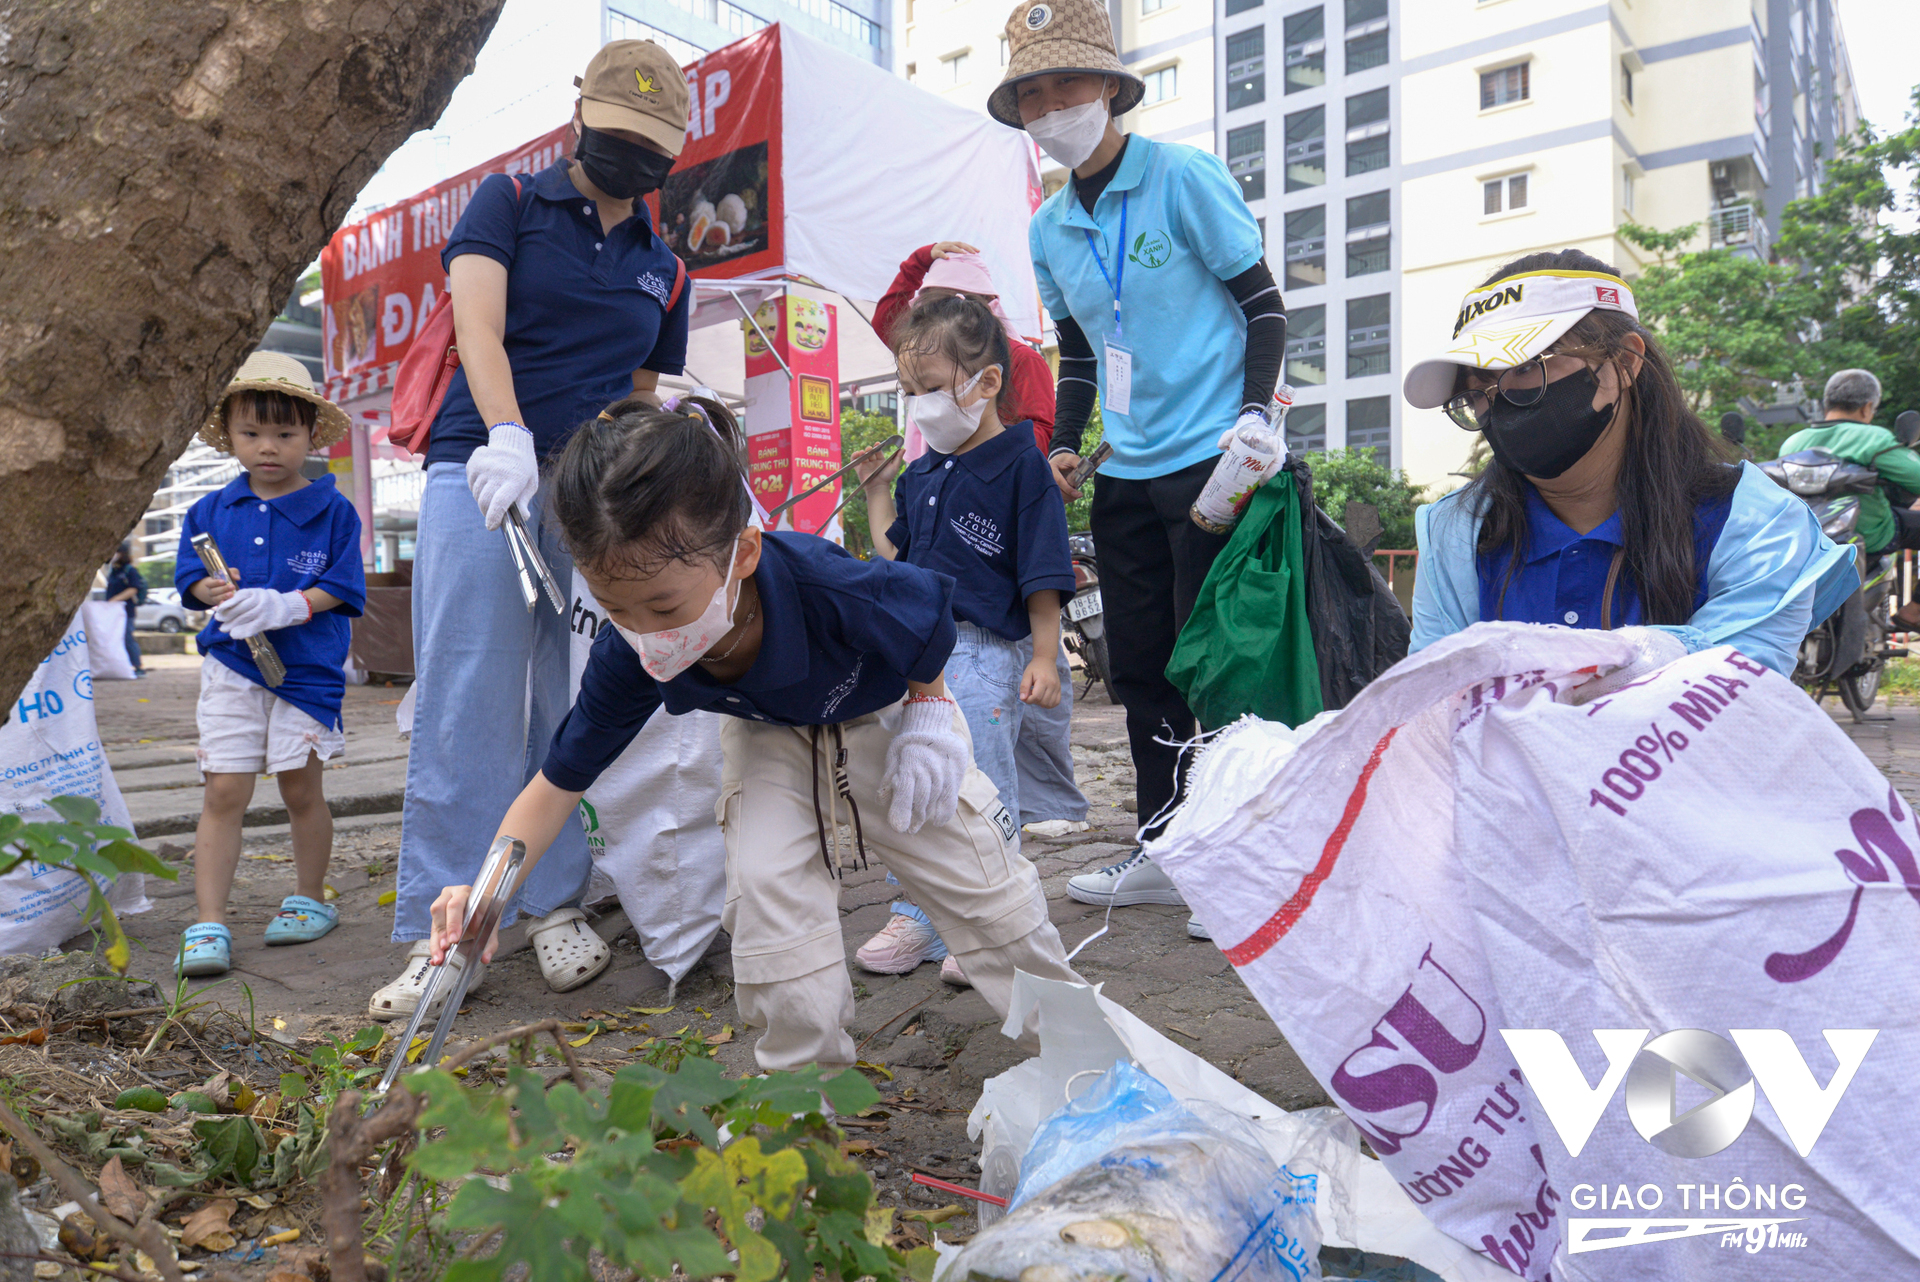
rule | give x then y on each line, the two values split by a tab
378	803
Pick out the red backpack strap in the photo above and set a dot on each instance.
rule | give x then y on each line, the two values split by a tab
679	282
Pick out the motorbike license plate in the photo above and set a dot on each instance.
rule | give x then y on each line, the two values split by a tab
1084	606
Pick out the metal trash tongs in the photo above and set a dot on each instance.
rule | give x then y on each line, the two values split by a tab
895	443
265	657
485	906
530	564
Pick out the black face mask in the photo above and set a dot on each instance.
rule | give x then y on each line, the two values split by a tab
624	170
1551	435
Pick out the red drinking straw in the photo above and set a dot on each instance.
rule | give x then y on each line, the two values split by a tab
945	1187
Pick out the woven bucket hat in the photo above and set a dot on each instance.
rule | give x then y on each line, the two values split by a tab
277	372
1060	35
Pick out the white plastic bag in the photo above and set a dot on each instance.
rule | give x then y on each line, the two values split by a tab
50	747
105	625
1463	867
650	822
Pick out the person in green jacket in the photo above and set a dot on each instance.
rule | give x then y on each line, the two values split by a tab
1852	397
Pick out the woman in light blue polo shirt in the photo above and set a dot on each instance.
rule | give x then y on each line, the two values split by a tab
1155	275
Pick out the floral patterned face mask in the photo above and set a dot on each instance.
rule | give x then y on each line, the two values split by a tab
665	655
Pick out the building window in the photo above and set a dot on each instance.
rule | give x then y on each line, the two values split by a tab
1307	346
1247	159
737	20
1365	257
1367	132
1161	85
1626	82
1370	427
1369	335
1306	249
1369	234
1366	34
621	27
1241	6
835	15
1004	52
1626	189
1247	68
953	70
1306	428
1503	195
1306	50
1508	84
1152	6
1306	148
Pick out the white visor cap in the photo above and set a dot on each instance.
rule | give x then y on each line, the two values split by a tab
1512	321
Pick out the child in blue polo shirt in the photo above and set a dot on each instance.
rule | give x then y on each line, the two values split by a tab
985	509
829	669
293	548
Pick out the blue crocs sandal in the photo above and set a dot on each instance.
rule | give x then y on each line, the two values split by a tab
301	921
206	948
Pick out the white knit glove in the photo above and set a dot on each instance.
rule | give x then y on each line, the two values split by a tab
925	764
251	611
1653	649
502	472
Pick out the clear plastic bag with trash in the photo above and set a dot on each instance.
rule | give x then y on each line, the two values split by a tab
1127	1184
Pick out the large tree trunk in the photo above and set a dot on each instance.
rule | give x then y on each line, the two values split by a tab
171	168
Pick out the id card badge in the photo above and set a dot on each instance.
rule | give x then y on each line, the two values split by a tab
1119	397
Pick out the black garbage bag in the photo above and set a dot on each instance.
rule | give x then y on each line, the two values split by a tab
1359	629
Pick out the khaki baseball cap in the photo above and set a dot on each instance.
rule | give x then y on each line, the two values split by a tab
636	85
1060	35
1510	322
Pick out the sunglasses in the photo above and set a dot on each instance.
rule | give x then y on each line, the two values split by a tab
1521	386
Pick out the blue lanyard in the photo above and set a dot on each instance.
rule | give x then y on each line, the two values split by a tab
1119	264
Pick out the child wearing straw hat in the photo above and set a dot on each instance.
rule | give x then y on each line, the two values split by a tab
292	546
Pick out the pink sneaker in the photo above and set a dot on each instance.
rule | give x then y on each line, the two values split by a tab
951	973
903	944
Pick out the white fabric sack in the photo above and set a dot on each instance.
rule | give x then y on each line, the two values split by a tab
650	822
1081	1031
1462	863
50	747
105	625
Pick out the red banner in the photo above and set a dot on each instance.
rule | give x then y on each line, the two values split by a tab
721	208
381	275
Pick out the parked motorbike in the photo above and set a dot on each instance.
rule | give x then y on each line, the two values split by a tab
1083	624
1848	651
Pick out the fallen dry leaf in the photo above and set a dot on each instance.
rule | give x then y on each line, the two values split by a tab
651	1010
287	1277
938	1215
122	1196
32	1037
208	1222
257	1201
46	1269
722	1037
144	1262
244	1098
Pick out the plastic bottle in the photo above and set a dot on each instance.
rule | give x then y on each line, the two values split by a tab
1252	455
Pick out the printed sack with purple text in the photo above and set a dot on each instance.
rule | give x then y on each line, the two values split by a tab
1628	990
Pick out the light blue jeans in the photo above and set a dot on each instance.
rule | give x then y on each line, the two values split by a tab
1023	748
491	681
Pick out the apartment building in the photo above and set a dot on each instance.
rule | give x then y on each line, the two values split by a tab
1541	124
955	48
690	28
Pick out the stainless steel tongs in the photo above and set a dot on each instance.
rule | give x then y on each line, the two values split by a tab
265	657
894	443
530	564
487	903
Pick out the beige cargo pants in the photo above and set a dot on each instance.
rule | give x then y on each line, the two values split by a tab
783	904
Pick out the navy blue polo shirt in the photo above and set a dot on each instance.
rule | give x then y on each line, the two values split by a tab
994	520
307	539
1564	576
841	638
585	308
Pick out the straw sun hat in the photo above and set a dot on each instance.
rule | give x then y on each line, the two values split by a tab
1060	35
277	372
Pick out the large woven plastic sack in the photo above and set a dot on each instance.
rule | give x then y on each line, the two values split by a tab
650	822
1476	910
50	747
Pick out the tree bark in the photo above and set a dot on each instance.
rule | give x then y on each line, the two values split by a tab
171	168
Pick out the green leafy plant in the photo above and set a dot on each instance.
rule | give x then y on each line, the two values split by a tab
1353	475
81	844
743	1178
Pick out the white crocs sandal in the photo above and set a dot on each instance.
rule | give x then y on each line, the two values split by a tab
570	953
401	998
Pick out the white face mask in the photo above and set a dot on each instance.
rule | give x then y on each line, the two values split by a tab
665	655
1071	134
941	418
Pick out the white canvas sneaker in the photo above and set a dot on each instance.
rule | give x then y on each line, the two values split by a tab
1134	880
